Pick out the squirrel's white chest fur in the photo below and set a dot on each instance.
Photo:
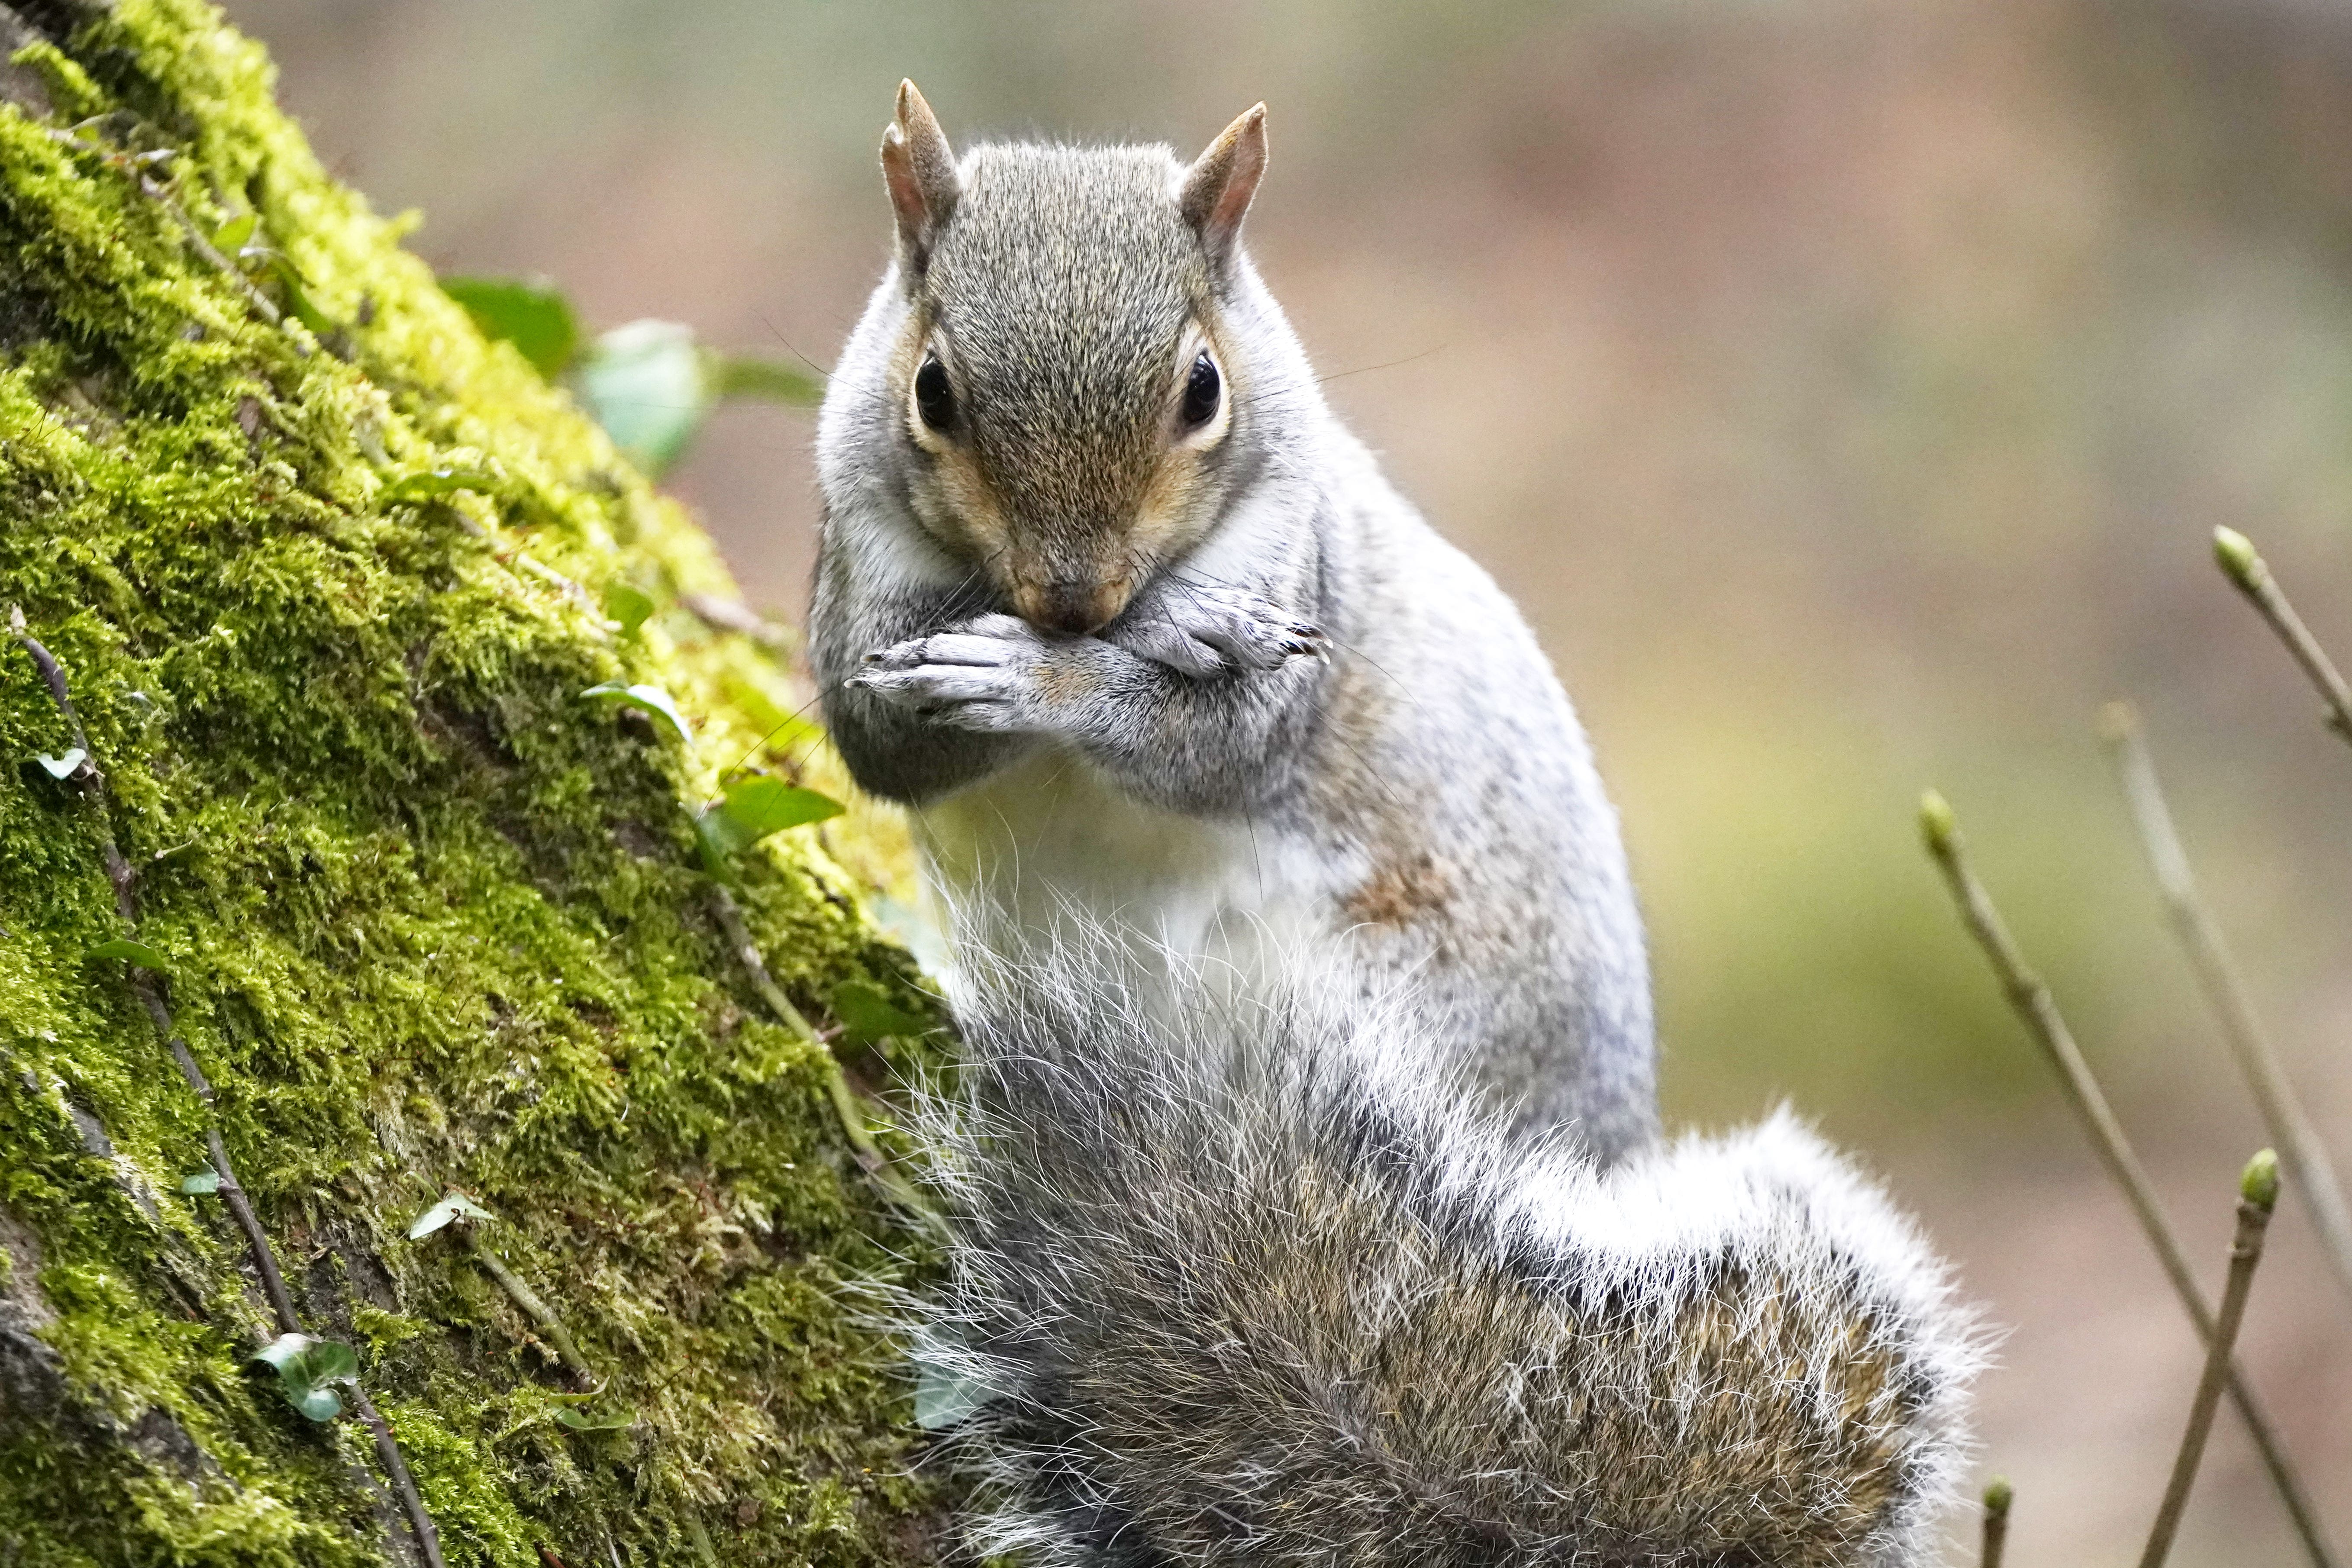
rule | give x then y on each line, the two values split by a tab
1051	841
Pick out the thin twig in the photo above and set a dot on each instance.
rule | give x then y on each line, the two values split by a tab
1997	1496
738	934
54	677
90	783
240	1208
2257	1196
388	1452
734	615
150	993
538	1311
2039	1011
2250	575
868	1153
2309	1169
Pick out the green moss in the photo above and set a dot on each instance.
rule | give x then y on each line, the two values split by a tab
432	921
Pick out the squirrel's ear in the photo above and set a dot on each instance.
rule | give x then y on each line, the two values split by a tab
920	168
1218	186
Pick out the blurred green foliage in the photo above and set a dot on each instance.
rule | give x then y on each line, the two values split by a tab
533	315
648	384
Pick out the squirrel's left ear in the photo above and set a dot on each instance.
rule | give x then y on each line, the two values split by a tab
919	166
1218	186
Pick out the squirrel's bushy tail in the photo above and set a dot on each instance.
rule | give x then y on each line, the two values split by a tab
1237	1285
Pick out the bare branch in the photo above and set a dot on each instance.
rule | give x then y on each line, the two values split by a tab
2039	1011
2250	575
2257	1196
387	1452
2308	1168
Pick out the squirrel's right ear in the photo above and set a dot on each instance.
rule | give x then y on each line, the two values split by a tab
1218	186
920	168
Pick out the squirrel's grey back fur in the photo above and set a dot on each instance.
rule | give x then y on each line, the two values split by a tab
1268	1294
1388	767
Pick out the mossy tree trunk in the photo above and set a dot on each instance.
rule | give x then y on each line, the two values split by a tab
427	920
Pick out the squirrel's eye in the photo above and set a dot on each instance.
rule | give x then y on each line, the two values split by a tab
1200	391
934	398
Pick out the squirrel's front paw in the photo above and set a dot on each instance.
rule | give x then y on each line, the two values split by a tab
1206	629
982	674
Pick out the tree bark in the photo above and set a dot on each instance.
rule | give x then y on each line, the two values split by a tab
321	571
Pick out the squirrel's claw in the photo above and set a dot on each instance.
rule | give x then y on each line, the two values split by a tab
1304	640
1205	631
979	676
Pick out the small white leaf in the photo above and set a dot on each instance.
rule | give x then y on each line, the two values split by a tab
649	385
944	1398
456	1205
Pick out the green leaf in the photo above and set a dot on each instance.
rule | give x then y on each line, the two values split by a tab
649	386
297	298
456	1205
438	482
755	807
630	606
63	767
771	380
532	315
645	698
320	1405
309	1370
761	805
232	236
587	1421
130	952
201	1181
867	1014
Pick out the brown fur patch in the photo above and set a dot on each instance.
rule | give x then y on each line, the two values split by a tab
1168	522
1399	892
1059	683
971	514
954	499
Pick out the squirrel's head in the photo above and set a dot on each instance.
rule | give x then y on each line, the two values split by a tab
1066	381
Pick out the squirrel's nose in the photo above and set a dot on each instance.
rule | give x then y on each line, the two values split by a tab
1073	607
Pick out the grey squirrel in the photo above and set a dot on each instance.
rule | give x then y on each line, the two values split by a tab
1111	598
1309	1205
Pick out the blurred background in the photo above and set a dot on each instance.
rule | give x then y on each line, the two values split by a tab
1847	391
